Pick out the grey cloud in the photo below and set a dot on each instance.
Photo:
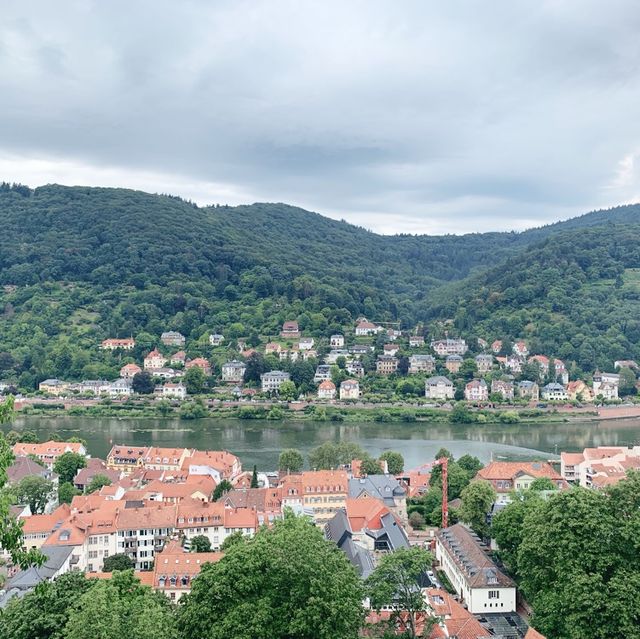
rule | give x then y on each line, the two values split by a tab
400	117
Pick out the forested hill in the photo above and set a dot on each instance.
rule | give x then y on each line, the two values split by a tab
80	264
575	295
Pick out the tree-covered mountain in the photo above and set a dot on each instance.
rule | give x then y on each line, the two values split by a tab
81	264
575	295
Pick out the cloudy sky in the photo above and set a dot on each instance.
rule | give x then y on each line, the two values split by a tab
421	117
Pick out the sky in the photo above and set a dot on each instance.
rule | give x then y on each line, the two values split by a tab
401	117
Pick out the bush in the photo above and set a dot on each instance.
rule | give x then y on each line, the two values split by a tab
416	520
509	417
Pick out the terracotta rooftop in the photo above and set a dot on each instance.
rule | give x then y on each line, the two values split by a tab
509	470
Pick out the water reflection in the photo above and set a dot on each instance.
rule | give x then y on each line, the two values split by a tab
259	442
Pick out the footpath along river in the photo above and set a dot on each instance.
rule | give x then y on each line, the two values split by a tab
260	442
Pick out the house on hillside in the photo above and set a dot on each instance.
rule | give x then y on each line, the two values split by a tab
502	388
349	389
215	339
355	368
484	363
365	328
326	390
421	364
606	385
273	380
554	392
54	387
233	371
520	349
529	390
579	391
416	341
178	358
476	391
171	390
386	364
290	329
154	360
444	347
496	346
126	344
453	363
129	371
306	343
201	363
173	338
439	387
336	341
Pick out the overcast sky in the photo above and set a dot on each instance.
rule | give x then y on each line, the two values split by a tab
421	117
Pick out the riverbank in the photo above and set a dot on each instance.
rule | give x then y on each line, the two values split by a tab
313	411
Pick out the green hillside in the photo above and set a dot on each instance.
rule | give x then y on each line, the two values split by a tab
575	295
80	264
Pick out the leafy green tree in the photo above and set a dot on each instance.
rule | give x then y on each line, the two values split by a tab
287	391
221	489
97	482
470	464
142	383
395	461
460	414
542	483
195	380
10	528
35	491
234	538
66	492
67	465
43	612
293	594
477	499
120	607
254	368
507	523
627	385
254	477
416	520
119	561
290	460
394	586
369	466
200	543
331	455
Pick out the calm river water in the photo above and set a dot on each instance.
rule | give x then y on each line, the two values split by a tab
259	442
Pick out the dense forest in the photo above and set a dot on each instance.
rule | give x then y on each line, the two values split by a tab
80	264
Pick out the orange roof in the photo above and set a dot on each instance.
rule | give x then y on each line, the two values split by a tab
154	353
45	523
158	455
365	512
509	470
47	449
130	367
220	460
193	511
160	515
327	384
177	563
181	490
240	518
129	452
316	481
572	458
532	633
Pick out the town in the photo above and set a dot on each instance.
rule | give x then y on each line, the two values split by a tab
369	366
166	512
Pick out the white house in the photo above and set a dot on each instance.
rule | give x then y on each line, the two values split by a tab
606	385
483	587
476	391
439	387
554	392
326	390
336	341
233	371
273	380
216	339
120	388
449	347
177	391
350	389
364	327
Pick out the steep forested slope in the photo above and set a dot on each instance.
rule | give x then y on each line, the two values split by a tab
81	264
575	295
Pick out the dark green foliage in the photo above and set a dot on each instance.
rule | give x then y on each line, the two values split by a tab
143	383
331	455
200	543
291	460
254	477
97	482
395	461
67	465
118	561
287	581
223	487
66	492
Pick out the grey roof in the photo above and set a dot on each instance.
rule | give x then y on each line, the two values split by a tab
395	534
24	467
454	358
438	379
383	487
553	386
526	384
28	579
337	529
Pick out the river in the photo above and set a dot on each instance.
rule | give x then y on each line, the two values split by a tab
260	442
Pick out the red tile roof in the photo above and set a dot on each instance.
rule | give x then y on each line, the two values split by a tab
509	470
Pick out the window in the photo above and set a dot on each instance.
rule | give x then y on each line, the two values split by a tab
494	594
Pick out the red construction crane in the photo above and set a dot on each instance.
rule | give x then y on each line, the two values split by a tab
444	461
